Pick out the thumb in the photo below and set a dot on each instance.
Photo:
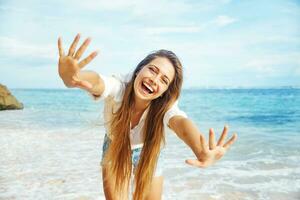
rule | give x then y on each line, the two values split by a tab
83	84
195	163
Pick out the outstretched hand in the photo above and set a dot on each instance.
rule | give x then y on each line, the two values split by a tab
212	152
69	65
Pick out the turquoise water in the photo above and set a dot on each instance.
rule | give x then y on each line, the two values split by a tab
272	108
262	164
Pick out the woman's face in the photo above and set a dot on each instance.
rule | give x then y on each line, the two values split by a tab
154	79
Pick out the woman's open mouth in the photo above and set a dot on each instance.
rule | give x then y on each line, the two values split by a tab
147	89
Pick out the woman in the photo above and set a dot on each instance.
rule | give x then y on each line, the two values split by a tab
137	111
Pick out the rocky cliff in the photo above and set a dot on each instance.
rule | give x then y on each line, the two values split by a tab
7	100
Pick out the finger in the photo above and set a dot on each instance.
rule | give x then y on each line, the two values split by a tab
230	142
211	139
82	48
223	136
195	163
203	143
60	48
88	59
73	45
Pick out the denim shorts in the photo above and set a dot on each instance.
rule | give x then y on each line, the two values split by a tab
135	156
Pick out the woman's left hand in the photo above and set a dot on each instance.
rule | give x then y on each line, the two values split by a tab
212	152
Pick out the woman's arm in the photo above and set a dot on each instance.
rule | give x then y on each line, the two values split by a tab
187	131
95	80
206	155
69	68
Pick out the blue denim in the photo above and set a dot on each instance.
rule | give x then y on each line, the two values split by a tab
135	156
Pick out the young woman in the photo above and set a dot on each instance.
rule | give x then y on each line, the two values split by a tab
137	110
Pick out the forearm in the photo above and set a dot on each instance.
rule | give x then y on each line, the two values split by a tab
188	132
94	79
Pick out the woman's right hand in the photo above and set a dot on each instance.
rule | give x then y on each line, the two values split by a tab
69	65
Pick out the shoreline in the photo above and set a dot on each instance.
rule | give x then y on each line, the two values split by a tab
65	165
57	165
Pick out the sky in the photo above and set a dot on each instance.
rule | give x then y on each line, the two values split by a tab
221	43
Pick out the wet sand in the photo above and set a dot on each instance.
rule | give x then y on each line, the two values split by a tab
64	164
50	165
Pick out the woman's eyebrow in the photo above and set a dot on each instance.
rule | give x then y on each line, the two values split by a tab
159	70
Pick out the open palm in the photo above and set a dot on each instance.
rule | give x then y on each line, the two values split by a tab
69	65
212	152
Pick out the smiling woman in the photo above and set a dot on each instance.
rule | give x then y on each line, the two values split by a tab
137	112
154	78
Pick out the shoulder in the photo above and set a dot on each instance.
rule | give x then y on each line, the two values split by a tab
114	86
173	111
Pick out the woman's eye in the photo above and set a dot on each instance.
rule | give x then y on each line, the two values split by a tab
165	81
151	69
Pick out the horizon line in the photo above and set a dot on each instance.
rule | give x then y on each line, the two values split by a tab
187	88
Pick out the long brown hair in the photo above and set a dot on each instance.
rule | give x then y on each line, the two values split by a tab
118	156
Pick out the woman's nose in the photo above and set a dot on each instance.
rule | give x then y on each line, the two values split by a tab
154	79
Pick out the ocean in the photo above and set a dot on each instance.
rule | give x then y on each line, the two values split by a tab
52	148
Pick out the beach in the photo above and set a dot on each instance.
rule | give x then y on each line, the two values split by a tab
40	164
52	148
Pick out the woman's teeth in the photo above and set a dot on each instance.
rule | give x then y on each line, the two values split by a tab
148	88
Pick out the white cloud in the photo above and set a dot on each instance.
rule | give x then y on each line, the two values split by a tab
280	38
155	9
175	29
221	21
13	9
135	7
224	20
106	5
275	65
10	47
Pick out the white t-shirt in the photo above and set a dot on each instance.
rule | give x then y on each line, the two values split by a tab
114	87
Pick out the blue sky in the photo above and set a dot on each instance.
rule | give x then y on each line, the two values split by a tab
221	43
